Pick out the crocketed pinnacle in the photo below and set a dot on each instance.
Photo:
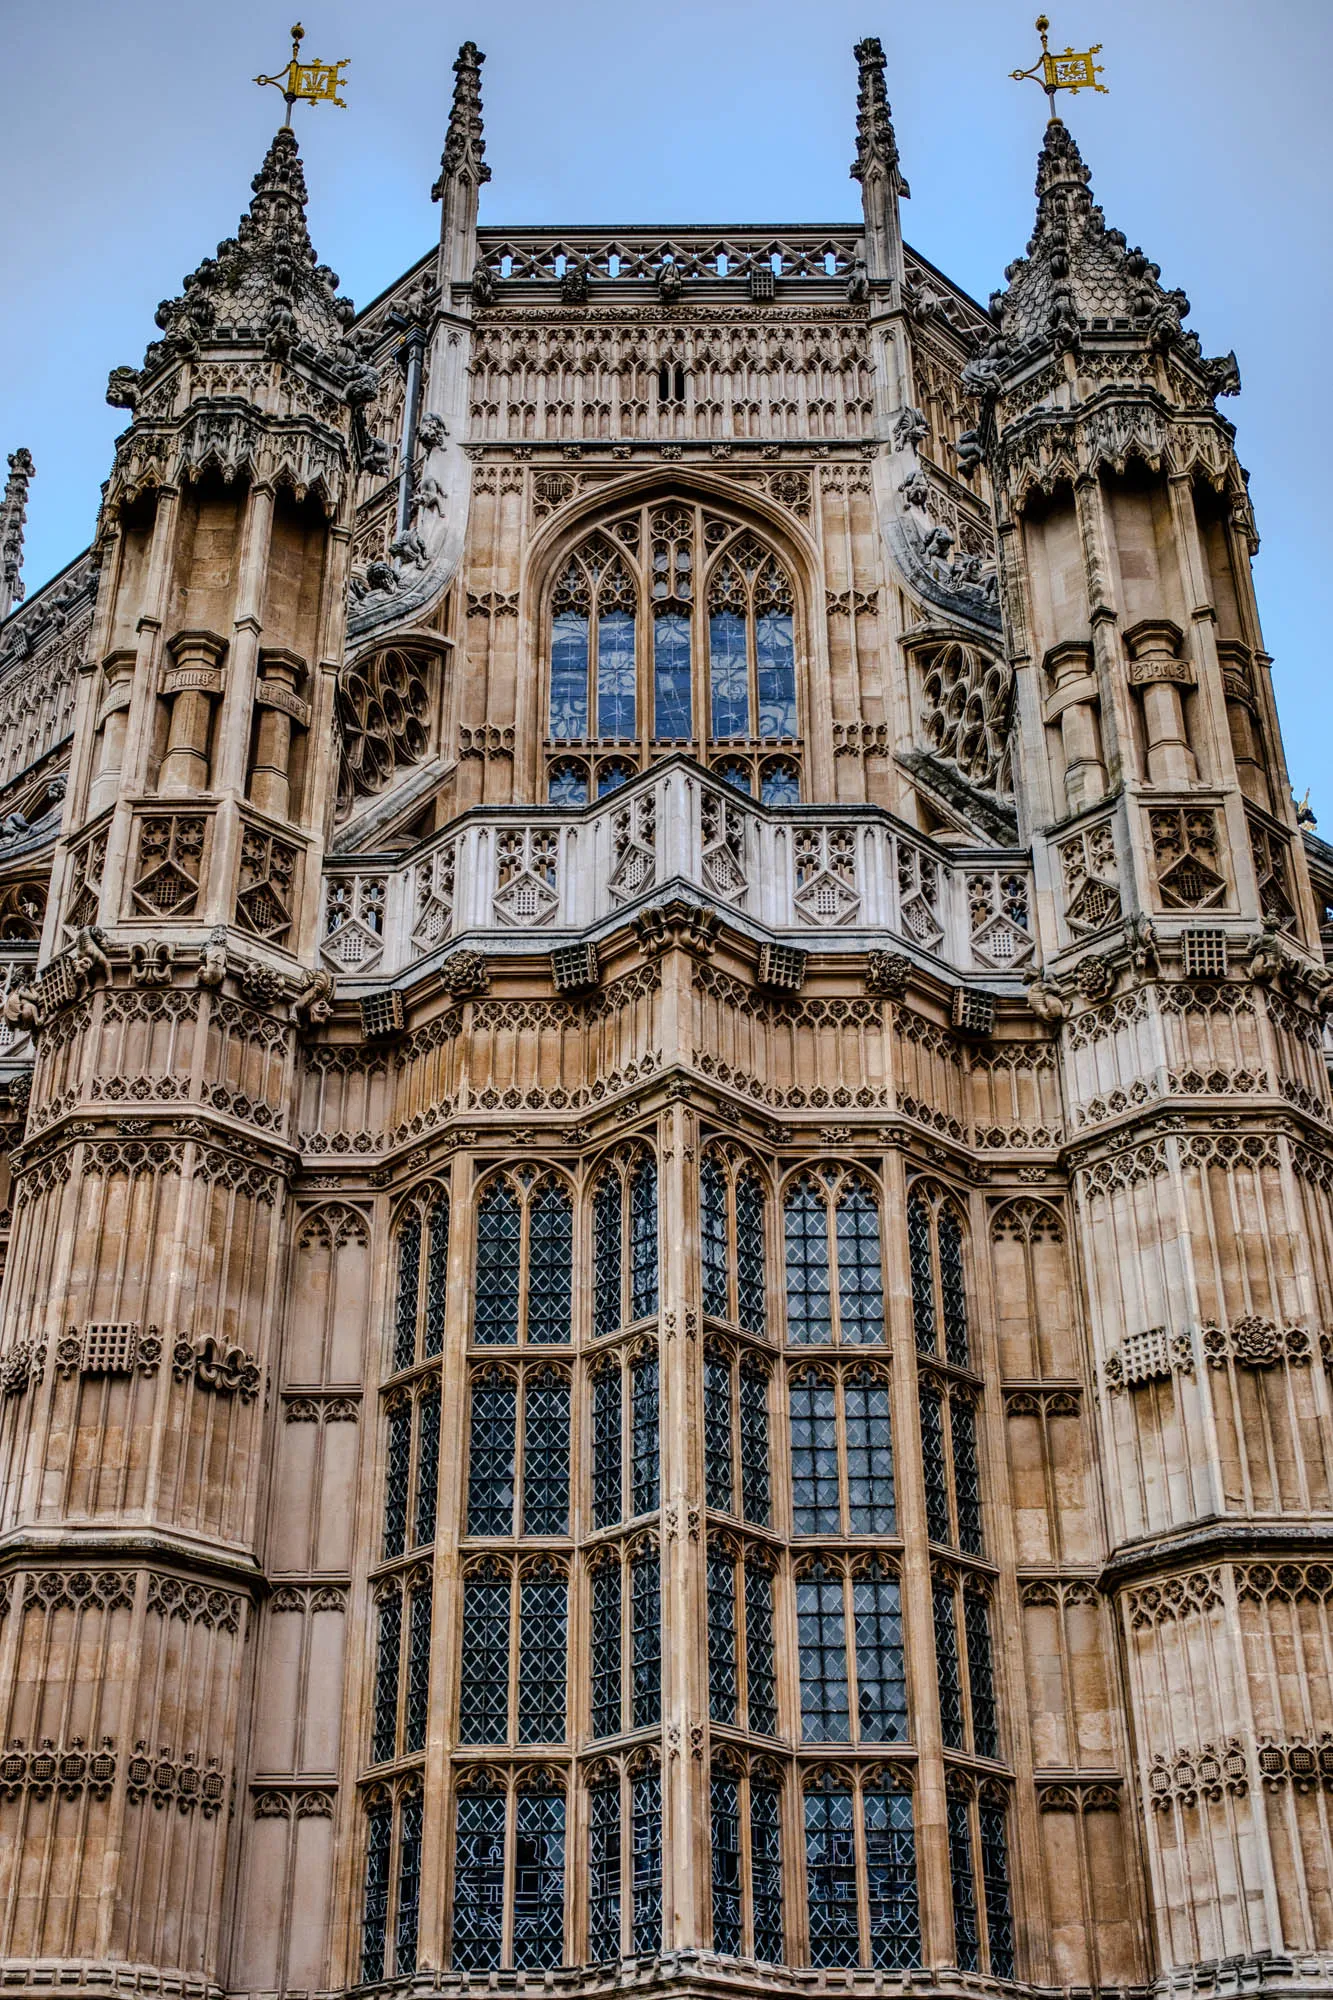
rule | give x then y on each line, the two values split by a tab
464	147
876	146
13	515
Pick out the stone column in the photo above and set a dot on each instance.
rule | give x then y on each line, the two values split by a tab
279	705
192	683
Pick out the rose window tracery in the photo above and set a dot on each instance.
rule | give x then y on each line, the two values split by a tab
385	708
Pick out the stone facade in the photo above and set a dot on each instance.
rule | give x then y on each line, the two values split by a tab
669	1285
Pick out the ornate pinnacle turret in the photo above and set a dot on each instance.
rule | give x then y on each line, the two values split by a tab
876	146
464	147
13	514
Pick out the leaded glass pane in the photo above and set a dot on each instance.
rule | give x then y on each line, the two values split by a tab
805	1226
542	1619
568	785
953	1294
645	1613
409	1885
822	1648
755	1496
646	1842
603	1874
606	1448
483	1694
923	1281
860	1274
397	1471
881	1678
780	784
499	1233
966	1483
895	1918
437	1271
814	1456
728	1936
723	1681
776	654
417	1705
713	1228
760	1685
569	677
384	1733
995	1884
409	1273
980	1676
550	1262
479	1882
643	1435
606	1255
671	676
539	1880
615	674
490	1482
717	1433
751	1288
870	1495
428	1466
947	1674
606	1650
932	1463
729	674
643	1240
546	1455
375	1897
766	1872
966	1932
830	1873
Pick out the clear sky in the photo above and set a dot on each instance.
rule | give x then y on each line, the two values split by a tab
132	130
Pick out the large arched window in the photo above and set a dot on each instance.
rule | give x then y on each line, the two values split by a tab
670	626
523	1288
835	1279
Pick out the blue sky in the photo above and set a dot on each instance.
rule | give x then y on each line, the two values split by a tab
132	131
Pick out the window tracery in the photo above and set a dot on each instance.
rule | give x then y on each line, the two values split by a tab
857	1691
523	1288
625	1245
391	1881
949	1463
862	1901
964	1665
736	1440
509	1895
400	1691
979	1876
745	1808
834	1267
741	1683
514	1647
841	1451
936	1266
411	1466
518	1451
731	1220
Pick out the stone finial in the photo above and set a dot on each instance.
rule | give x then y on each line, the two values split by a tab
13	515
464	146
876	146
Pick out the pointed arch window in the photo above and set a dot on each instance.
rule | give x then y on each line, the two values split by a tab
862	1897
841	1451
625	1242
936	1266
751	645
423	1263
983	1926
509	1892
731	1213
835	1276
855	1692
741	1685
949	1462
736	1443
524	1289
514	1653
391	1884
593	669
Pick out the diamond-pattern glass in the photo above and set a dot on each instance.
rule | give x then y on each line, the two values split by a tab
947	1673
384	1727
437	1271
723	1680
895	1916
375	1896
966	1931
499	1236
409	1885
966	1482
766	1872
756	1499
717	1433
728	1934
980	1676
483	1693
995	1885
869	1456
860	1271
550	1265
881	1677
490	1480
643	1240
542	1631
606	1255
751	1285
644	1451
814	1456
607	1446
409	1275
428	1466
603	1874
953	1293
809	1299
397	1472
545	1455
713	1233
923	1278
417	1705
645	1612
830	1873
606	1650
932	1463
539	1880
646	1844
760	1684
822	1649
479	1882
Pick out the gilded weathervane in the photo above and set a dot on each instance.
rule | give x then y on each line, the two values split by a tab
312	82
1074	70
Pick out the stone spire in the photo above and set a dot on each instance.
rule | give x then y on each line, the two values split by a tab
463	173
464	147
876	165
13	514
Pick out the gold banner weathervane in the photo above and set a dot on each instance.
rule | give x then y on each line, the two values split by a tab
1073	71
311	82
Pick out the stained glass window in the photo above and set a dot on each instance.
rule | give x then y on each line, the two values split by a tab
966	1931
499	1235
761	1687
953	1295
604	1874
567	784
606	1448
483	1699
947	1673
881	1678
479	1870
780	783
995	1885
646	1842
569	676
542	1622
923	1280
672	719
417	1705
860	1275
550	1261
814	1456
713	1226
980	1676
644	1449
643	1240
723	1680
615	674
384	1734
776	657
822	1649
751	1287
966	1483
869	1455
728	1932
646	1639
753	1400
830	1873
809	1302
491	1462
375	1895
932	1462
539	1879
437	1271
409	1275
717	1432
606	1649
397	1472
545	1454
409	1884
766	1871
428	1465
606	1255
891	1879
729	673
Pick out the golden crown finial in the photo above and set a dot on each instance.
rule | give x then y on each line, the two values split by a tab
1074	70
311	82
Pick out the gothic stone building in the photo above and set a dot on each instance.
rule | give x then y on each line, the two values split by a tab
667	1319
